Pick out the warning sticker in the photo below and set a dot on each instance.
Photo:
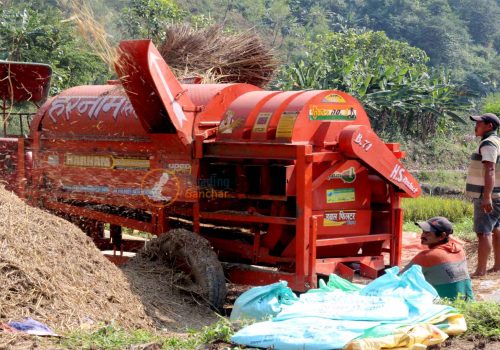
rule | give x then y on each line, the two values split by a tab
333	98
285	125
324	113
262	121
339	218
340	195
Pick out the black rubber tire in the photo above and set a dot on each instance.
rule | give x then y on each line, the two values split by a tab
193	254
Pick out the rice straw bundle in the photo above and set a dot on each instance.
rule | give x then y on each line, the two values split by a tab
231	58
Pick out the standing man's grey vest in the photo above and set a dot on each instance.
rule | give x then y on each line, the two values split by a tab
475	176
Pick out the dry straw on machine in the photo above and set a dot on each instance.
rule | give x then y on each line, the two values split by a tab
240	57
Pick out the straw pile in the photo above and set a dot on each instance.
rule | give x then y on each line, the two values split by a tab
230	58
51	271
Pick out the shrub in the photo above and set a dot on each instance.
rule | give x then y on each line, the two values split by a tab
492	104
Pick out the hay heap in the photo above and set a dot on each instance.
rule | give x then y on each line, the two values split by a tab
51	271
223	57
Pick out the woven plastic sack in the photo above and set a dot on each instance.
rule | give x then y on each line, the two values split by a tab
339	305
260	303
410	285
335	283
307	333
418	336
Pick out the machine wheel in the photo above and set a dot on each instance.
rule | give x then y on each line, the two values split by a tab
193	255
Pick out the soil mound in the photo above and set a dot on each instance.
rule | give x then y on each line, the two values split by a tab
51	271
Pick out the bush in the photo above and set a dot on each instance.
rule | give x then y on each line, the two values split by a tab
492	103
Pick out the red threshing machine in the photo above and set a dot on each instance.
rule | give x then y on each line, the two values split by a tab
284	185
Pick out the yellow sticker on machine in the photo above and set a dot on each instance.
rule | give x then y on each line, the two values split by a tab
131	163
286	124
262	122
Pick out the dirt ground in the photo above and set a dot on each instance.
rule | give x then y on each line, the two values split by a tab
459	343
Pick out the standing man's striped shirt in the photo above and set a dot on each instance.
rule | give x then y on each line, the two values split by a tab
486	152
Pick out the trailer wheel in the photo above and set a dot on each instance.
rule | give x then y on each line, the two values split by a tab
193	255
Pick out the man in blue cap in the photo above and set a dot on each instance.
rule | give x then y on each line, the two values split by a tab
483	186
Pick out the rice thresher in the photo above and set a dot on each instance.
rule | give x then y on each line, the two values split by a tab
284	185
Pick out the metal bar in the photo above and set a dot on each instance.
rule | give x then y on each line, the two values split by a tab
129	245
320	157
21	168
249	218
312	280
244	150
162	221
70	145
265	197
21	124
96	215
105	199
396	243
397	246
4	115
227	249
304	212
353	239
261	277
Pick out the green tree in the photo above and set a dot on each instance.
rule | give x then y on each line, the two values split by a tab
390	77
491	104
481	17
149	19
42	35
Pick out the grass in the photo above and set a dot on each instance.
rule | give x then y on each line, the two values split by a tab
425	207
111	337
453	179
461	229
483	318
440	153
458	211
107	338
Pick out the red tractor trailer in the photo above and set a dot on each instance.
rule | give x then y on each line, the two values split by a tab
271	185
